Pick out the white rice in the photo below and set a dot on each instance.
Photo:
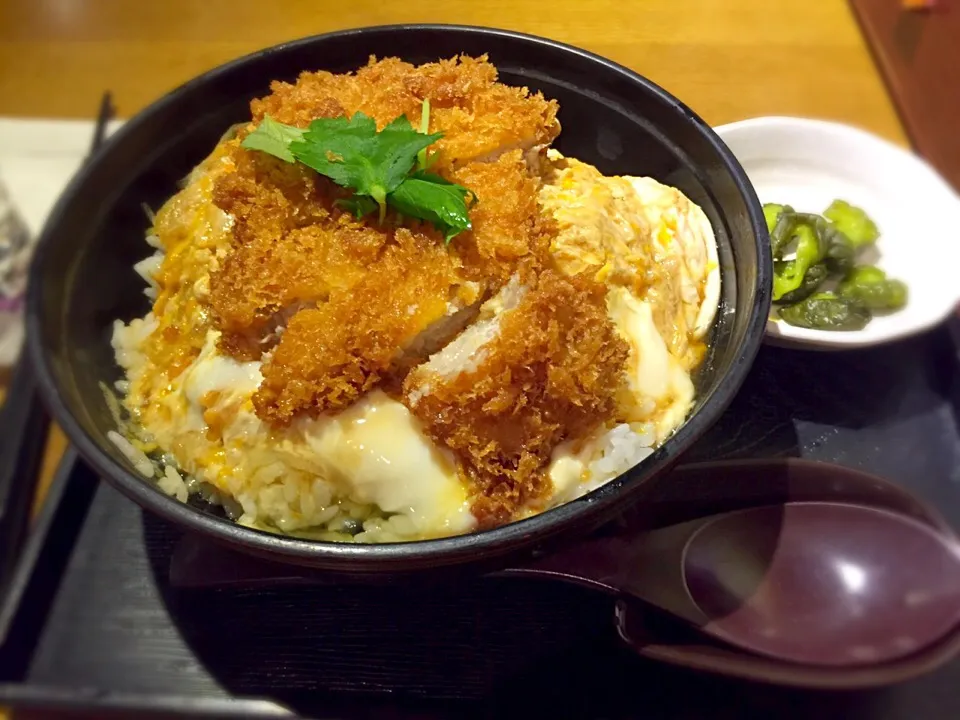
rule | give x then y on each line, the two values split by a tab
269	482
136	456
148	269
579	467
172	484
622	448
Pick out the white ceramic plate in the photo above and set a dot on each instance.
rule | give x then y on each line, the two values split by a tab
809	163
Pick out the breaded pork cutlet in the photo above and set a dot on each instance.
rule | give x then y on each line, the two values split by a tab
480	118
330	355
543	363
293	252
290	248
508	225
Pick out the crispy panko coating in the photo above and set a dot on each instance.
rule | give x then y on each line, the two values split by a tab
552	372
508	225
292	246
479	117
289	248
330	355
292	249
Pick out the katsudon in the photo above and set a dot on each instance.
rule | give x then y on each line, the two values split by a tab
385	308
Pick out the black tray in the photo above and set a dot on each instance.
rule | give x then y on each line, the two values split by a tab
97	626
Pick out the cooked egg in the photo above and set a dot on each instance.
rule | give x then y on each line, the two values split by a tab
377	451
642	235
684	236
658	389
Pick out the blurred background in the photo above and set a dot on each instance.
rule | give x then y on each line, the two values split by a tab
728	60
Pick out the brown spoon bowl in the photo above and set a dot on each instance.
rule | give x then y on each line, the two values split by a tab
802	483
823	583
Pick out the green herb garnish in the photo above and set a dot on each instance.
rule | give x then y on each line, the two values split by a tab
429	197
273	138
377	166
353	154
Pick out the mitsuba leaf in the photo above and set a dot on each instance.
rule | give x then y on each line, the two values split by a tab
354	155
376	165
273	138
429	197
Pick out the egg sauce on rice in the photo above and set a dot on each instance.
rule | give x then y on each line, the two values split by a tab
537	356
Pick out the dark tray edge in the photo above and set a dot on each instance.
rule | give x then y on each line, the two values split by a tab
886	72
48	698
30	592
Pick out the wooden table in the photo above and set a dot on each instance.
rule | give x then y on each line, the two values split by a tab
728	59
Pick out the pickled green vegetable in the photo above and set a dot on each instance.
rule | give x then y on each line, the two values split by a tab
816	241
784	232
811	251
812	280
869	287
866	274
826	311
852	222
841	254
771	211
792	272
836	249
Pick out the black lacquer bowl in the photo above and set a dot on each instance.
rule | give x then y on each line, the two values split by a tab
82	276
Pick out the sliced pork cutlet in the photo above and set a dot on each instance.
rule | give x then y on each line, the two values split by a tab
350	304
290	247
330	355
509	235
542	363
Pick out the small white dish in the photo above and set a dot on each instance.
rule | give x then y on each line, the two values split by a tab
809	163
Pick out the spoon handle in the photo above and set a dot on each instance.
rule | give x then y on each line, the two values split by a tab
646	565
